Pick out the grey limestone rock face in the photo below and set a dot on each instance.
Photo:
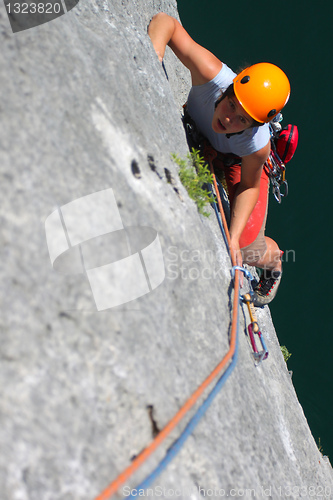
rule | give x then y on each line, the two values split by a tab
87	112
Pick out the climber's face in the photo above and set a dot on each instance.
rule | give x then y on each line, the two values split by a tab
229	117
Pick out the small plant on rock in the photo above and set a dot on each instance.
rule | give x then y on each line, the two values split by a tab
285	352
320	448
194	174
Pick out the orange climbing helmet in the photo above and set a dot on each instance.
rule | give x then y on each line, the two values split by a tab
262	90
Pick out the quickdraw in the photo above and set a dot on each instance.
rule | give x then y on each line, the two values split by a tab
253	328
274	165
277	173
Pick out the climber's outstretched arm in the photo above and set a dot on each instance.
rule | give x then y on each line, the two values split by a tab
165	30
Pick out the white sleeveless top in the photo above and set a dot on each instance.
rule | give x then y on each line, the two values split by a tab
201	107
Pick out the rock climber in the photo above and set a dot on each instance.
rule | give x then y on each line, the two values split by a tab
233	113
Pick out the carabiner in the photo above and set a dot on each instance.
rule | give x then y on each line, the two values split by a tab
285	184
245	271
253	329
277	193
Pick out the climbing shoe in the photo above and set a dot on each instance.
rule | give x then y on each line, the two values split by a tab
267	287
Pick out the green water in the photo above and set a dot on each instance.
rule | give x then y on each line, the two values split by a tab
297	36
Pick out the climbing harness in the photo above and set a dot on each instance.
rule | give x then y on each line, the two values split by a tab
283	146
